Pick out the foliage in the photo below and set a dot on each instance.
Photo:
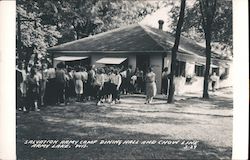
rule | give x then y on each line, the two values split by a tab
221	28
60	21
34	34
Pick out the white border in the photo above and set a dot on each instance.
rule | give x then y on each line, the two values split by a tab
241	79
7	79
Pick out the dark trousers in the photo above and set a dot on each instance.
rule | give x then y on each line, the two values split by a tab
98	92
165	87
115	93
50	92
60	92
213	85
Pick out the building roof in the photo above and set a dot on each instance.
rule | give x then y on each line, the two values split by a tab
132	38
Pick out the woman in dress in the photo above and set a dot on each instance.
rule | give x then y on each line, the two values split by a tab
32	89
24	76
84	73
150	86
78	79
43	82
165	81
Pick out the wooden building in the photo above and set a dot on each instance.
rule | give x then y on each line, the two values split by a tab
143	46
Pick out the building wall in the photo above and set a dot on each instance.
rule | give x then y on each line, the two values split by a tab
132	61
94	58
158	63
181	87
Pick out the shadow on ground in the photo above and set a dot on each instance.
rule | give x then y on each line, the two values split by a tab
91	122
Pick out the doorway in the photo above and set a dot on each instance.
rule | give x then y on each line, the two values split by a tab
142	62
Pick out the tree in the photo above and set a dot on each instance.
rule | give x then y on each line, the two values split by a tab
174	51
35	35
210	20
207	8
221	37
62	21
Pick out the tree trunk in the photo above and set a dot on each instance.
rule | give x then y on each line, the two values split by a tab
174	52
208	61
207	8
19	40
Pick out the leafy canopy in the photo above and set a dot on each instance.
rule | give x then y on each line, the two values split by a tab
221	29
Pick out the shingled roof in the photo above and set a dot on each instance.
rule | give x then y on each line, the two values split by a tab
133	38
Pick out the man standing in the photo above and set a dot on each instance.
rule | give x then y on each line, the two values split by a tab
214	79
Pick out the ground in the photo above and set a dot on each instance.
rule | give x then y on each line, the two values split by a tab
206	123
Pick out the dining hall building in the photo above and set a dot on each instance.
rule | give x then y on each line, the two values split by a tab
142	46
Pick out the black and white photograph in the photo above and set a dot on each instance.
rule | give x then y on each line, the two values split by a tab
124	79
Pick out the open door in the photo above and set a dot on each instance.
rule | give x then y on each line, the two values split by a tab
142	62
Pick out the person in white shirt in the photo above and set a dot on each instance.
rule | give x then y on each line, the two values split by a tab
99	83
115	80
214	79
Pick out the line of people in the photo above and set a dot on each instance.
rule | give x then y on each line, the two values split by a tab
38	85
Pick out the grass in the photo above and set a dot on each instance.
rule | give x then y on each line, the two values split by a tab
209	122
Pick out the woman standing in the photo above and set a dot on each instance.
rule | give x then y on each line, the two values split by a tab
84	73
214	78
32	89
106	87
78	79
24	76
60	83
115	80
150	86
90	83
99	83
165	79
43	82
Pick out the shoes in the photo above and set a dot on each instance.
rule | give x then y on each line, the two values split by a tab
117	102
113	102
37	110
98	103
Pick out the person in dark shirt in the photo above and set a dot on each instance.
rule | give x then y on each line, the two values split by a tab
60	83
128	83
33	90
165	81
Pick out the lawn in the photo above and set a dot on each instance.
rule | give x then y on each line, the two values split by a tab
132	130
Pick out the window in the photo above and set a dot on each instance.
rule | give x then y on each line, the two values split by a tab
224	75
216	70
199	70
180	68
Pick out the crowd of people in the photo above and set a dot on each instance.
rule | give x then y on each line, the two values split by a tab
41	84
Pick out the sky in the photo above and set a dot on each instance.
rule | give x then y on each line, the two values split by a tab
164	14
152	19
